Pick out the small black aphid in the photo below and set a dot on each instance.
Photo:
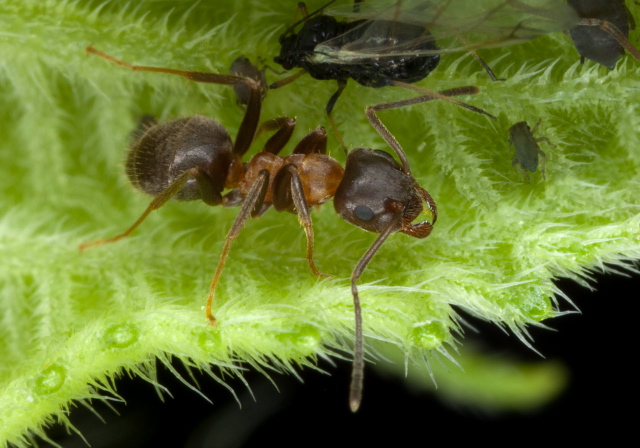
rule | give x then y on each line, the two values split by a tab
527	149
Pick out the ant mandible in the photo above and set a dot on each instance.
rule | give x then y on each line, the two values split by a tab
194	158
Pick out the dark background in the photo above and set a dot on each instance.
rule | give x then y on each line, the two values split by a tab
598	346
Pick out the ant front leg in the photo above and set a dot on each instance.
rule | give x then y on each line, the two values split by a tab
357	372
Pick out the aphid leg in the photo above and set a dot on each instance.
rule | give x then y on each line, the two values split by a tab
357	373
477	57
543	159
342	83
284	127
287	192
288	80
301	10
251	207
614	32
438	96
161	199
516	163
485	66
536	126
315	142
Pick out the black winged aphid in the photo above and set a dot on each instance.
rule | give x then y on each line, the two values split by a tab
399	43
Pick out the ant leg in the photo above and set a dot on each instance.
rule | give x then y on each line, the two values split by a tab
212	78
252	204
370	112
614	32
288	192
438	96
315	142
342	83
357	373
158	202
249	124
284	127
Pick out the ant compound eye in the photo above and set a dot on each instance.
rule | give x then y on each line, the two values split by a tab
364	213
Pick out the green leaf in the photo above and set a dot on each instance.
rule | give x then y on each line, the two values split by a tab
72	322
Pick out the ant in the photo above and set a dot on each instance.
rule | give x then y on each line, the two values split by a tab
602	31
195	158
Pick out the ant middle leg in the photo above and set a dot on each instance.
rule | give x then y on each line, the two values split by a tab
288	194
252	206
283	126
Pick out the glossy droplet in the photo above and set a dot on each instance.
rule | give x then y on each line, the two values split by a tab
50	380
121	336
429	336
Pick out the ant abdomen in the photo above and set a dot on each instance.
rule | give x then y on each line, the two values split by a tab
165	151
375	190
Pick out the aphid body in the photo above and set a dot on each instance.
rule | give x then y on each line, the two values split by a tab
298	50
528	152
243	68
594	42
398	43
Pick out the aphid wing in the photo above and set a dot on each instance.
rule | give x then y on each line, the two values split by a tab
454	25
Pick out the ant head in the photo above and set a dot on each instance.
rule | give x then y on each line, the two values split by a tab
376	191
